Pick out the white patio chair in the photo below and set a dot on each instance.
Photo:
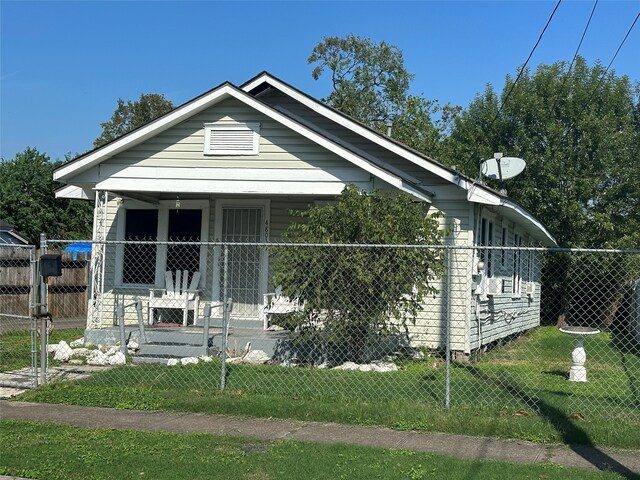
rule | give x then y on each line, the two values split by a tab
178	294
276	304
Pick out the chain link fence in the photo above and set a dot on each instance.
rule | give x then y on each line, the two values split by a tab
18	331
497	327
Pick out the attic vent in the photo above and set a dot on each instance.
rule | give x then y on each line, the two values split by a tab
231	138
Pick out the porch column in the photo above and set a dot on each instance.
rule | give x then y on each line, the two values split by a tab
96	299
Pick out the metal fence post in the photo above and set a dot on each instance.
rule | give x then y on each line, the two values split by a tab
43	303
225	319
205	327
34	295
123	335
448	317
142	338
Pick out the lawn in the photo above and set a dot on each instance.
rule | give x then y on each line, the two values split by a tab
15	346
516	391
34	450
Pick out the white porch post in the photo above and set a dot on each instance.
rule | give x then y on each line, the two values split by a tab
96	299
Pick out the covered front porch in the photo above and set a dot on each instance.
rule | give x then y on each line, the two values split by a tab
178	253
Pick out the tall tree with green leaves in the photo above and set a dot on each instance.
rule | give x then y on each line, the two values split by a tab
356	292
371	84
27	200
579	132
130	115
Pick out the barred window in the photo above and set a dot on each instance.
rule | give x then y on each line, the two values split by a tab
139	262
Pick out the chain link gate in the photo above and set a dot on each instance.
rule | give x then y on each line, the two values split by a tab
19	341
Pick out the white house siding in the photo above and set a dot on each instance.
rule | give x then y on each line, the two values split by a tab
499	316
174	161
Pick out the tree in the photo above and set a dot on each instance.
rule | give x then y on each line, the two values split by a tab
371	84
133	114
27	200
579	133
356	292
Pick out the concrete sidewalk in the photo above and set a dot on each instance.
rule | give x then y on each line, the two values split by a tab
474	448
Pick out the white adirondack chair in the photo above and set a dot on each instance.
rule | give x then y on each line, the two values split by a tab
178	294
275	304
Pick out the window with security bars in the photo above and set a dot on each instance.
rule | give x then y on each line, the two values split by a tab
139	261
184	226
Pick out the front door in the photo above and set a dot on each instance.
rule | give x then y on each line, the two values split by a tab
246	273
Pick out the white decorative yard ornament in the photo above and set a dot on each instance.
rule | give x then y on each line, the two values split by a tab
578	372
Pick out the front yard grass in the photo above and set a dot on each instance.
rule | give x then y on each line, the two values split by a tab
517	391
15	346
40	450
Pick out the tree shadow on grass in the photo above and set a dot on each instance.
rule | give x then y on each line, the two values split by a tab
632	380
572	435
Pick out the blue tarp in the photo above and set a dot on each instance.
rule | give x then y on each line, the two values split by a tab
79	247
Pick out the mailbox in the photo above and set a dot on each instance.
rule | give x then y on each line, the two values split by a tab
51	265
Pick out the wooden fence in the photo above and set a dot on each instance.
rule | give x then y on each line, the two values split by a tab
67	294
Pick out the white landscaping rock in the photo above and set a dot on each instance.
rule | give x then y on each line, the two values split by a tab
189	361
256	357
52	348
384	367
118	358
172	361
368	367
97	357
77	343
275	328
63	352
347	366
80	352
205	359
418	355
111	351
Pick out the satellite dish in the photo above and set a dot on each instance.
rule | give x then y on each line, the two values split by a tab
502	168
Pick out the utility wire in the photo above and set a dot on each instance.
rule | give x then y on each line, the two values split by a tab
575	55
615	55
524	66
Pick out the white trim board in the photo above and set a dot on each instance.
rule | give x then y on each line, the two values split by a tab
207	100
477	193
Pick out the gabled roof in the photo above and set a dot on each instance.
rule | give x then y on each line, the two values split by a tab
224	91
476	192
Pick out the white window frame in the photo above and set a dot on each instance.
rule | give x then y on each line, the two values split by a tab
516	275
162	236
487	239
230	127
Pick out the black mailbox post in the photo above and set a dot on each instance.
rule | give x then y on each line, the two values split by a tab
51	265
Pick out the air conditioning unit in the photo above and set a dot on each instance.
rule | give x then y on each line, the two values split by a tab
531	288
494	286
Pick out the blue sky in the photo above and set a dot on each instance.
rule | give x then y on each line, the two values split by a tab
64	64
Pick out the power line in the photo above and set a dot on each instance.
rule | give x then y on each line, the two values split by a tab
524	66
575	55
606	70
620	46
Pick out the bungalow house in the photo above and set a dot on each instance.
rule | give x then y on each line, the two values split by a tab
229	166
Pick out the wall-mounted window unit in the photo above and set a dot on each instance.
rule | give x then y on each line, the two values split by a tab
494	286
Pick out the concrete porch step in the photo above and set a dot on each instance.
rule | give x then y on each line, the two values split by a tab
187	336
